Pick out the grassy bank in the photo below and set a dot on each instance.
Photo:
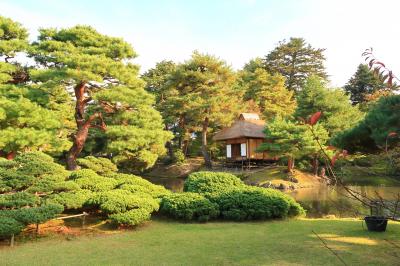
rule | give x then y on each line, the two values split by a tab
277	175
255	243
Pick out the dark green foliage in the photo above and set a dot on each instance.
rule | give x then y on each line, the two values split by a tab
372	132
337	112
362	83
34	171
17	200
9	226
33	215
189	206
296	60
210	182
101	166
238	201
253	203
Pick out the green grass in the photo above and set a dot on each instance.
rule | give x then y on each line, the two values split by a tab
158	242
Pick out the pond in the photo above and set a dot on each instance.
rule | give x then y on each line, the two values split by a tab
319	201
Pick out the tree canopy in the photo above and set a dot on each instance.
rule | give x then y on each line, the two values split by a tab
292	140
362	84
338	113
296	60
205	95
106	86
267	91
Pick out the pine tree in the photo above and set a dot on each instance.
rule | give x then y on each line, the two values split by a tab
25	124
292	140
362	84
157	84
338	113
97	69
206	95
267	91
296	60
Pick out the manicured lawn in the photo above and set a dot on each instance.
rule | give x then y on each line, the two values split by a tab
221	243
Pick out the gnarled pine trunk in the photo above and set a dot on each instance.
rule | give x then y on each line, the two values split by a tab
290	164
83	125
207	159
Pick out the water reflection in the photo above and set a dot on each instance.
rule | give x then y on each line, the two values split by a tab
325	200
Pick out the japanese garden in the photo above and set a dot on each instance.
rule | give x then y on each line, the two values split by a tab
193	161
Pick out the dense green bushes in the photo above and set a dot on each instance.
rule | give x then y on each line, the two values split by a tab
211	182
253	203
189	206
123	198
233	199
101	166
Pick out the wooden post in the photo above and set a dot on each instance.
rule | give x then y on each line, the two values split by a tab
12	240
84	219
37	229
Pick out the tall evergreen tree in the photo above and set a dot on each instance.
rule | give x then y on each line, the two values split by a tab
157	84
296	60
362	84
206	95
338	113
267	91
98	71
25	124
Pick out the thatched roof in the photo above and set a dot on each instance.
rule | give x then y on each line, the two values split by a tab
247	126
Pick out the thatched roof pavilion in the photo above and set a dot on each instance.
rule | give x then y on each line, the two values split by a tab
243	137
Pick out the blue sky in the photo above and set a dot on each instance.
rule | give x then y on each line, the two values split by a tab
235	30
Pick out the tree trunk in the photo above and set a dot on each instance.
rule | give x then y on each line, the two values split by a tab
12	240
168	145
82	125
290	164
207	159
315	164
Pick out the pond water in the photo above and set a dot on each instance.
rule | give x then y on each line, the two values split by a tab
318	201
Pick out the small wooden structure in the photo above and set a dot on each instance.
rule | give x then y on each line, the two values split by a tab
243	137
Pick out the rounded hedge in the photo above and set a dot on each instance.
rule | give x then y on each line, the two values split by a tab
253	203
189	206
211	182
239	202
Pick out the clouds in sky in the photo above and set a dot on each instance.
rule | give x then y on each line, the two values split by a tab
234	30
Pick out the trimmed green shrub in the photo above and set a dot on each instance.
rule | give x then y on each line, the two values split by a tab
237	201
131	217
34	171
88	179
17	200
101	166
253	203
189	206
116	201
211	182
71	200
9	226
33	215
